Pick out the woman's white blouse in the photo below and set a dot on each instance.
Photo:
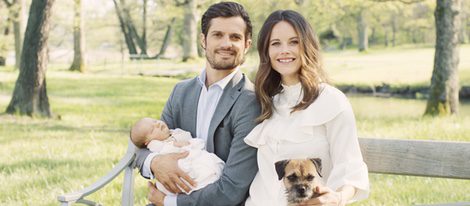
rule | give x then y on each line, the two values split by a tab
326	130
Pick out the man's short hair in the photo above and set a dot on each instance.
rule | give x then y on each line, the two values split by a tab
226	9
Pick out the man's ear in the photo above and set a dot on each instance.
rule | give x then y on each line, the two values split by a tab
280	168
203	40
248	45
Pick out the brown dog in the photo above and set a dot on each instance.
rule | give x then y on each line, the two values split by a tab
301	178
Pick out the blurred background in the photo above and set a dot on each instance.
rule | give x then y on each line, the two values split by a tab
108	63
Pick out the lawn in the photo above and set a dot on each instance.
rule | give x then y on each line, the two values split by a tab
41	159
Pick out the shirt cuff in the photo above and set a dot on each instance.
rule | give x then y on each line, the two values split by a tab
170	200
146	171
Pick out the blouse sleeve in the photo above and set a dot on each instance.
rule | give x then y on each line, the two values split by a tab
257	136
348	165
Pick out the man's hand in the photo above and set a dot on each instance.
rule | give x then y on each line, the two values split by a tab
166	171
155	196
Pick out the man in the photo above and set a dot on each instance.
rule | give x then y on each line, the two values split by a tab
218	106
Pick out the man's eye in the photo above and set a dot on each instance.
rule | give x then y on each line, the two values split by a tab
236	37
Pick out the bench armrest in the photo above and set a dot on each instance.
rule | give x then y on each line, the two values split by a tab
125	162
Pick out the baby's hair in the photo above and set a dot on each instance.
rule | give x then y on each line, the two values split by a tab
137	136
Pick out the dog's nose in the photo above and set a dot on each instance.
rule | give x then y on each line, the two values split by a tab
301	189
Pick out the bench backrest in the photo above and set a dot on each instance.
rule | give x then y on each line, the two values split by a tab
417	157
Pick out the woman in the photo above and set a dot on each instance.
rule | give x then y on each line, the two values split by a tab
302	117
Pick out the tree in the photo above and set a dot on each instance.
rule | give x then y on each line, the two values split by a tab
78	63
30	94
444	92
128	28
122	23
15	8
363	39
166	39
190	30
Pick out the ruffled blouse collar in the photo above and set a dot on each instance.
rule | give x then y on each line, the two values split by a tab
290	95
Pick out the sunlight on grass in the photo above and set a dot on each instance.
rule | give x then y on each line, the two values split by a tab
43	158
389	66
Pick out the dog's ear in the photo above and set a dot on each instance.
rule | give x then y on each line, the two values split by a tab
280	166
317	163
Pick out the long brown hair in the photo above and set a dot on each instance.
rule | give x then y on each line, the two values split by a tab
311	73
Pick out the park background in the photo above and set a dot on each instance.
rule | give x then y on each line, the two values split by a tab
128	59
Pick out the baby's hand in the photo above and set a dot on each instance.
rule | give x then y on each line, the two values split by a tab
180	143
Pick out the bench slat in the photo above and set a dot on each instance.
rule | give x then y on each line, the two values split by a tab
417	157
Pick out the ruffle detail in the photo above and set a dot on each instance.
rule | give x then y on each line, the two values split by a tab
257	136
329	104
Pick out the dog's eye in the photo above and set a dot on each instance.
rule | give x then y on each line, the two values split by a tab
292	178
310	177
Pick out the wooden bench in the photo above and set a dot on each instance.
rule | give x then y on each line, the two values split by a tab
386	156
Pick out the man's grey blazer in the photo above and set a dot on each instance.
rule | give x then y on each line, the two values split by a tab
233	119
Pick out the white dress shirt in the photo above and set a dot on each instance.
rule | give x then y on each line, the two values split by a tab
326	130
208	100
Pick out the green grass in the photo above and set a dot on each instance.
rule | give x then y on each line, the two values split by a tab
43	158
392	66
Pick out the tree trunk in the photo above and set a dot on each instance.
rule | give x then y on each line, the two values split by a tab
394	29
144	27
15	9
166	40
30	94
363	42
131	28
129	42
444	92
190	31
78	63
386	37
463	39
18	30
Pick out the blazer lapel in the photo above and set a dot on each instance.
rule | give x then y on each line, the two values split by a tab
190	114
231	93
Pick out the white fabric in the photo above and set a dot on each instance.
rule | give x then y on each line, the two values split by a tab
326	130
165	147
208	100
203	167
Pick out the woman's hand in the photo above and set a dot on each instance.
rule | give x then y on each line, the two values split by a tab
327	197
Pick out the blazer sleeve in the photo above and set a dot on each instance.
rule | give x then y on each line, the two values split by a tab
240	167
167	118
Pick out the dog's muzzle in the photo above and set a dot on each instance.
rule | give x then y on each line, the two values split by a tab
301	190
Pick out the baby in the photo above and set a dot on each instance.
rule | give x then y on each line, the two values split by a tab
203	167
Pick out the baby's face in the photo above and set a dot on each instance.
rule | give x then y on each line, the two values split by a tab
158	131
